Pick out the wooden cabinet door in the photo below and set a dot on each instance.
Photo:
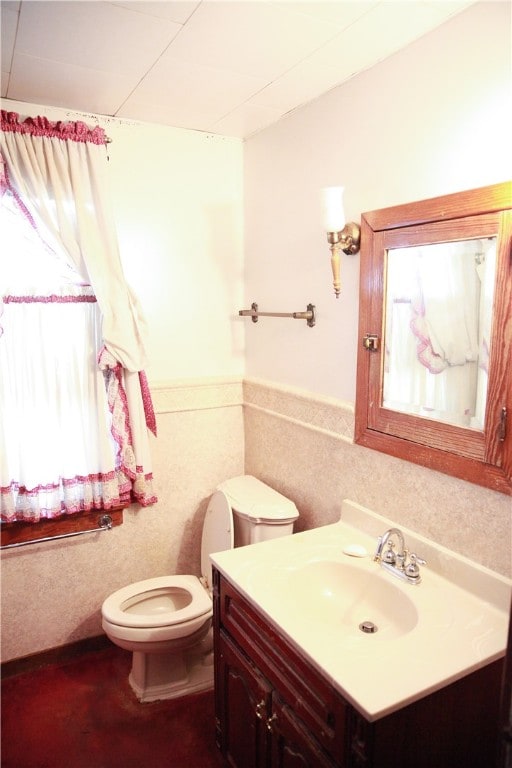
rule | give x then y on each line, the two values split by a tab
244	700
292	746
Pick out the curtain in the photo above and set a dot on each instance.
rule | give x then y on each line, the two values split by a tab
58	170
75	406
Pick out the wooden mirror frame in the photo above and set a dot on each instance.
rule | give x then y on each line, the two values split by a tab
484	457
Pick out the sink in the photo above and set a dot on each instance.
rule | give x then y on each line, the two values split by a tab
320	586
340	597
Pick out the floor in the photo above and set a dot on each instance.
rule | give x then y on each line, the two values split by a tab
83	714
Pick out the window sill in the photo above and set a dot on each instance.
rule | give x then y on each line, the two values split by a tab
15	533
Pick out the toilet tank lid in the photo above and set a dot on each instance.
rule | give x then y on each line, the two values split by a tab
253	499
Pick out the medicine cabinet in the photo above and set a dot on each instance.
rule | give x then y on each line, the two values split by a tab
434	368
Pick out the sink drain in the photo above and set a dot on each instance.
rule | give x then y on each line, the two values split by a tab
368	626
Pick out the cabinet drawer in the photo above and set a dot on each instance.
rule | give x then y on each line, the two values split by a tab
310	696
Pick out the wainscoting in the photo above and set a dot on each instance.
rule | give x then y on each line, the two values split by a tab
302	445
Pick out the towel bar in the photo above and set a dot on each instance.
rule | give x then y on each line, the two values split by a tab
105	524
308	315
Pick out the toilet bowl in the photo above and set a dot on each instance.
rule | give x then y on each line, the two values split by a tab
166	621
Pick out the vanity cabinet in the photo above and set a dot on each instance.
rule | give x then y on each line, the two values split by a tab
272	708
271	733
275	710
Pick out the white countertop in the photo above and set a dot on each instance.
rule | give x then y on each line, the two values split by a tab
430	634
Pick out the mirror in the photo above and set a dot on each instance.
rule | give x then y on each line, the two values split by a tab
434	380
437	330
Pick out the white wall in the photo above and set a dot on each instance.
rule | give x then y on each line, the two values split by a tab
178	197
434	118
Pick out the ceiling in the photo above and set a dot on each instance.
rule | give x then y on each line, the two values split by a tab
224	67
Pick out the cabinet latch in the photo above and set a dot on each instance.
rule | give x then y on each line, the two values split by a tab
502	429
371	342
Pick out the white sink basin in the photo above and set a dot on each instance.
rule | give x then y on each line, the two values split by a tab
428	635
339	597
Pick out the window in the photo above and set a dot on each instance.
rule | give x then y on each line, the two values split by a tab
71	388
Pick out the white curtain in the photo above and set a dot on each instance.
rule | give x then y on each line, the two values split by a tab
75	407
59	171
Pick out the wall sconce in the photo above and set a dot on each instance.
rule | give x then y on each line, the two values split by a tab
341	236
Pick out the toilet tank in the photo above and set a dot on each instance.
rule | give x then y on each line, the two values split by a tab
259	512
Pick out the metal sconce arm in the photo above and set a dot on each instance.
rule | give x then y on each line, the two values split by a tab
347	240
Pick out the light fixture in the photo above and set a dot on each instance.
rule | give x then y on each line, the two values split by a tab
341	236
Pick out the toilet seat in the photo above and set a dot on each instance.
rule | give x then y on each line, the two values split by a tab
155	610
167	600
218	535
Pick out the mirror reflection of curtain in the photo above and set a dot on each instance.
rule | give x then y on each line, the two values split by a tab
438	316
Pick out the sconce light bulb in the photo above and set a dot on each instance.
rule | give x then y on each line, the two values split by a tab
340	235
334	214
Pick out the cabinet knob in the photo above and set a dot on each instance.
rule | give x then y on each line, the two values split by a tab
271	721
260	709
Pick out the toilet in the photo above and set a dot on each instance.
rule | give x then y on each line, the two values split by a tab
166	621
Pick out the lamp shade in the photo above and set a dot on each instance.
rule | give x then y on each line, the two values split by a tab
334	215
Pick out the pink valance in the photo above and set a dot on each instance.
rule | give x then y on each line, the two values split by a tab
41	126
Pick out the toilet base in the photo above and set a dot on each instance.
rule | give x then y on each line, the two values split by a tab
156	676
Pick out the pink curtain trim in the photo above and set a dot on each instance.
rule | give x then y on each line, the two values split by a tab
140	484
81	494
41	126
4	183
484	356
426	355
123	437
149	411
65	482
51	299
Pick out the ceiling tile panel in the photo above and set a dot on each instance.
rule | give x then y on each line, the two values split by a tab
173	10
448	7
98	35
74	87
9	22
246	120
342	13
301	84
193	115
4	82
255	39
171	83
172	77
363	43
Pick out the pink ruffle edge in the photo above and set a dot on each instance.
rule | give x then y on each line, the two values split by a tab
41	126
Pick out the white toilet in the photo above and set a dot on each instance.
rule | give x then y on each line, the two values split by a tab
166	621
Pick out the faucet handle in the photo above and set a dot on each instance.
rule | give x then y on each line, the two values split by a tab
389	555
412	570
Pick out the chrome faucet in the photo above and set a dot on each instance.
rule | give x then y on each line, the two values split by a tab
396	562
